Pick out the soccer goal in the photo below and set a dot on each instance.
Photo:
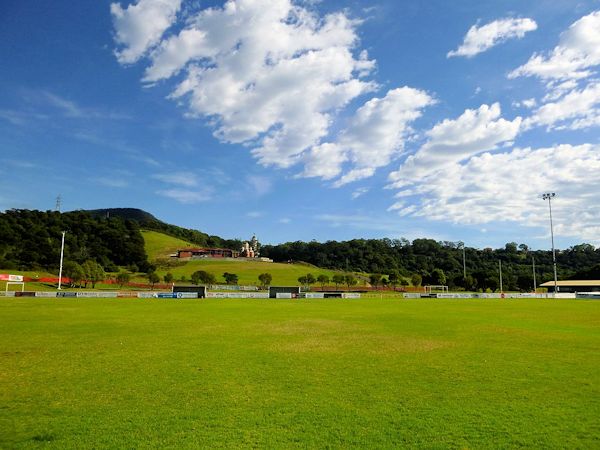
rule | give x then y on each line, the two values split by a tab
13	280
435	288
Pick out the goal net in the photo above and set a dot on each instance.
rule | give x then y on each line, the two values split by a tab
436	288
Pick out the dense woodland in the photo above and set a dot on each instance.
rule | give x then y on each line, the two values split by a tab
30	240
442	262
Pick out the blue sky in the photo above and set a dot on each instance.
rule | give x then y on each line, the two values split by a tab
300	120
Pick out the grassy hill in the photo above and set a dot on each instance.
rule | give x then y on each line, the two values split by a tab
159	246
247	271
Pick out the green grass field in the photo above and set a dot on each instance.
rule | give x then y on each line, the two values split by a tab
302	374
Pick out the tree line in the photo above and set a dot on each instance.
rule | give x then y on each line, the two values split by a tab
30	240
441	263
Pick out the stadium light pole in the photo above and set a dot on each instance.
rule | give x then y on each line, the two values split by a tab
464	262
500	269
534	280
549	196
62	252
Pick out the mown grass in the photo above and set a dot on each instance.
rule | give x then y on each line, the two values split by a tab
310	374
159	245
247	271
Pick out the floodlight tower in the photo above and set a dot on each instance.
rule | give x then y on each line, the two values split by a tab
464	263
549	196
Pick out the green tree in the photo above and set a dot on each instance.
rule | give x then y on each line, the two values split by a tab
123	278
230	278
201	276
307	280
74	272
265	279
338	279
168	278
438	277
394	278
97	274
375	279
470	283
323	280
350	280
416	280
153	278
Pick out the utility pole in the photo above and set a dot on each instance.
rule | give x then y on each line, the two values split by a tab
62	252
500	266
549	196
464	263
534	280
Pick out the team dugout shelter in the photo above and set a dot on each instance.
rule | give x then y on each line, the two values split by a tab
200	290
573	286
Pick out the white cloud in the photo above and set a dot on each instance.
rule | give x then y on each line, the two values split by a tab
269	74
187	179
479	39
527	103
577	52
359	192
285	220
140	26
259	185
576	110
254	214
507	187
187	196
453	141
373	137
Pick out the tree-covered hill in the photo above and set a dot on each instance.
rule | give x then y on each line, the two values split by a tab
32	239
442	262
147	221
112	237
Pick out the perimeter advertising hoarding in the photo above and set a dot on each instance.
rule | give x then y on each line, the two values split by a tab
237	295
7	277
25	294
66	294
97	294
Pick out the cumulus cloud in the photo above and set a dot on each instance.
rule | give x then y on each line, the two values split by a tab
452	141
479	39
140	26
274	75
577	52
374	136
507	187
576	110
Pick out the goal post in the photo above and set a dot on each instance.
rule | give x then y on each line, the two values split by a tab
12	280
435	288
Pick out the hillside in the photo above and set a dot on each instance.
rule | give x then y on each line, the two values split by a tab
160	245
247	271
147	221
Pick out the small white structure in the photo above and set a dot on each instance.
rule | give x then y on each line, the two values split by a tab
13	279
